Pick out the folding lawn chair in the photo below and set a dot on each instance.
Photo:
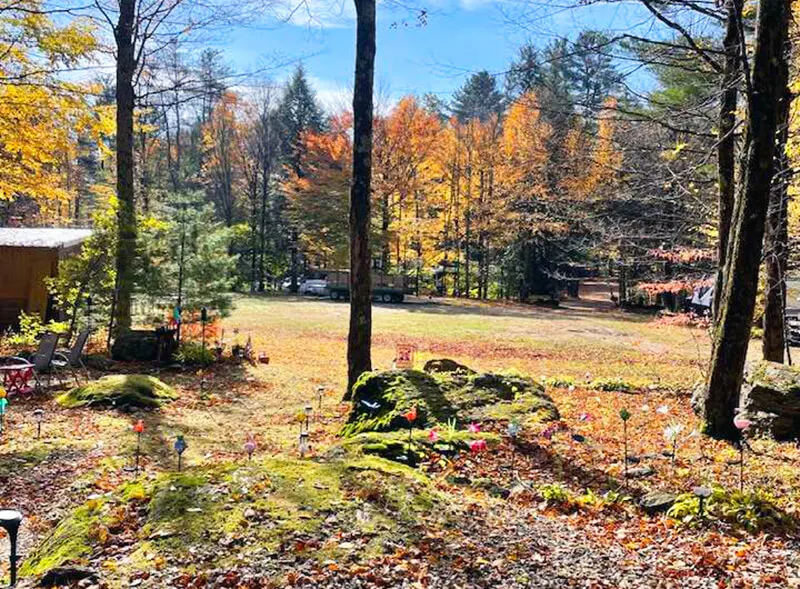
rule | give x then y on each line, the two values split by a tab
72	359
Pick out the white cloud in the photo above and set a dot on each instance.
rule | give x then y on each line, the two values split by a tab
334	96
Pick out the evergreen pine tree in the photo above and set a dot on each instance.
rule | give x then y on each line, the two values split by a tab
478	98
298	112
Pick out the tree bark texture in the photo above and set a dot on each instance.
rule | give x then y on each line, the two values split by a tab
732	331
776	244
726	146
359	339
126	215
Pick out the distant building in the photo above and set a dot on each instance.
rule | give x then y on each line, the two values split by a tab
27	257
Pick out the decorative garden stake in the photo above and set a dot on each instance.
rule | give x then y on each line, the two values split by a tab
89	313
203	321
300	417
3	409
38	414
513	431
411	417
9	521
250	446
308	409
138	427
476	446
303	444
702	494
742	425
671	435
180	448
371	407
625	415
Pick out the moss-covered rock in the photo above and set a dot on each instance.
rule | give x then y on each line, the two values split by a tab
380	399
254	511
120	390
771	399
397	446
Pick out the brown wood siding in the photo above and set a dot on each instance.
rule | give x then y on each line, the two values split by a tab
22	274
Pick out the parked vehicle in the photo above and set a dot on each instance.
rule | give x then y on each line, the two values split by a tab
315	286
385	287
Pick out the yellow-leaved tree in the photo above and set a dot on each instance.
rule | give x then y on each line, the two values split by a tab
40	114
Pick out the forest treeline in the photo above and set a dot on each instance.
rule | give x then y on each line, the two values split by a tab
521	183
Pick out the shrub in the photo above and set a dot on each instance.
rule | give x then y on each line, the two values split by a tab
555	494
193	353
753	511
30	330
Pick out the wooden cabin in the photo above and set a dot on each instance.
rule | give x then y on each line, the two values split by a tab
28	255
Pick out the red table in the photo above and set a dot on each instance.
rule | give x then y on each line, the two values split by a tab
16	378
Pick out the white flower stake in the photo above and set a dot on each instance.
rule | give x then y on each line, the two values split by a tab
671	435
742	425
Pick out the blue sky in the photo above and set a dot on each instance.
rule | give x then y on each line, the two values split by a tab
460	37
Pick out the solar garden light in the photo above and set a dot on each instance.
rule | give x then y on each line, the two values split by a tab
308	409
89	312
513	431
180	448
303	444
10	521
39	416
320	393
203	321
702	494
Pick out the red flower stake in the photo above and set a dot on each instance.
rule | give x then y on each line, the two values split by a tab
138	427
411	416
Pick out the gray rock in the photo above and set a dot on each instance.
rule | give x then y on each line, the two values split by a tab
770	398
657	501
438	365
66	575
640	472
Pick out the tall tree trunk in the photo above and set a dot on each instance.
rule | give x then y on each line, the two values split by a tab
732	332
265	174
726	146
773	345
359	339
126	215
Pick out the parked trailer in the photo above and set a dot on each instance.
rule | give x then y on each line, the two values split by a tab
387	288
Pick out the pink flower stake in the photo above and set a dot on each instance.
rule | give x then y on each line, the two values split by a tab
250	446
742	425
477	446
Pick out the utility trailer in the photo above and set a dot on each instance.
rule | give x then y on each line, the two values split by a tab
387	288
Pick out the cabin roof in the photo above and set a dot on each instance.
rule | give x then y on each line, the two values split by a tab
42	237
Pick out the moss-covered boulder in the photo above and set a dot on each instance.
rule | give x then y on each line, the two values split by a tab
120	390
220	516
410	450
771	399
380	399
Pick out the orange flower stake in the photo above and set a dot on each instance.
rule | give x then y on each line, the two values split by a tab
411	416
138	427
